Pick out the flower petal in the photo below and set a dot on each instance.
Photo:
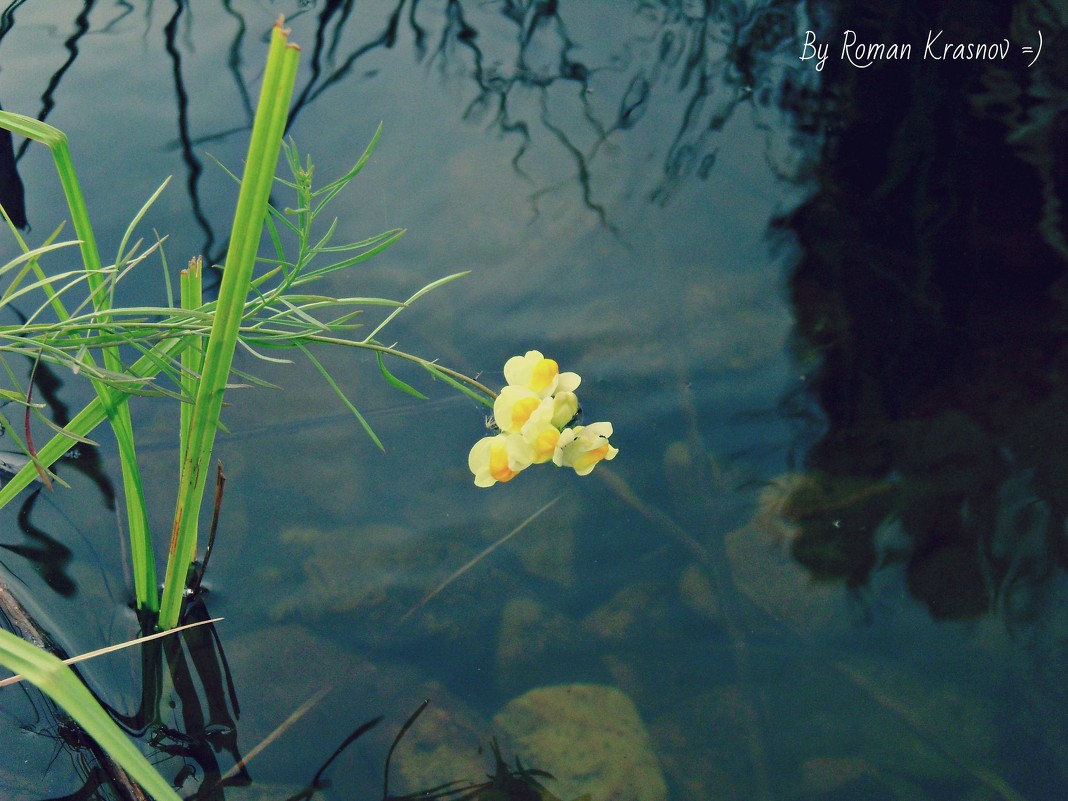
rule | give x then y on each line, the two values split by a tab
582	447
499	458
513	408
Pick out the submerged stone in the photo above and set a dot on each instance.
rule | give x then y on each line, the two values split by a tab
589	736
374	581
764	569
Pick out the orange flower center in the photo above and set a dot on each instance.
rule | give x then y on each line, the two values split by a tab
591	457
545	444
543	374
522	411
498	466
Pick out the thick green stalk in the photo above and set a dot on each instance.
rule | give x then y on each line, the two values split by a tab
264	149
115	406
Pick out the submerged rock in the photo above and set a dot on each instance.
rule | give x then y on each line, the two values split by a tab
589	737
373	581
764	570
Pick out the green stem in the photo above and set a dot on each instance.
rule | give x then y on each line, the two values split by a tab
264	148
191	292
115	406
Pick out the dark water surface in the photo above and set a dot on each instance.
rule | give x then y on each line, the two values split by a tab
825	311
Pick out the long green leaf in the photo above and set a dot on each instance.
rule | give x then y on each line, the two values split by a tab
264	148
344	398
331	189
61	684
395	382
118	411
415	296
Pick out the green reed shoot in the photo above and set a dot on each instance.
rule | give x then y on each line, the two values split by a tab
191	292
263	153
114	406
261	312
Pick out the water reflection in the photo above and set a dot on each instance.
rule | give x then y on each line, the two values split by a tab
693	64
49	556
203	707
192	162
930	303
902	342
44	551
670	79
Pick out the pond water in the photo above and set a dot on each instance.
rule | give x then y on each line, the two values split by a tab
824	309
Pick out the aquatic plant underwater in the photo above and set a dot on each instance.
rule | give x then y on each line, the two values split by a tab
192	344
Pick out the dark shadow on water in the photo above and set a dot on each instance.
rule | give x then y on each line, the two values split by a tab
12	192
193	165
49	556
505	784
83	458
203	711
932	303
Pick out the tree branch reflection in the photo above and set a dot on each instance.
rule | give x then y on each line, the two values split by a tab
539	73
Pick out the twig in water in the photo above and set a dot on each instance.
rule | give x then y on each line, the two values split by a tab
407	725
455	575
220	485
118	647
359	731
298	713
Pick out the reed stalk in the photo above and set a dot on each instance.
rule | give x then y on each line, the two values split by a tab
192	298
260	165
114	406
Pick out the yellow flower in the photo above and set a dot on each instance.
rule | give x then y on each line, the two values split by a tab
540	432
540	375
532	413
544	443
499	458
583	447
513	407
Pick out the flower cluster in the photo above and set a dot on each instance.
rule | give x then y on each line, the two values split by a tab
533	414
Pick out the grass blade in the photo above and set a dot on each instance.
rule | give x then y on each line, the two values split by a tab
344	399
59	683
395	382
264	149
